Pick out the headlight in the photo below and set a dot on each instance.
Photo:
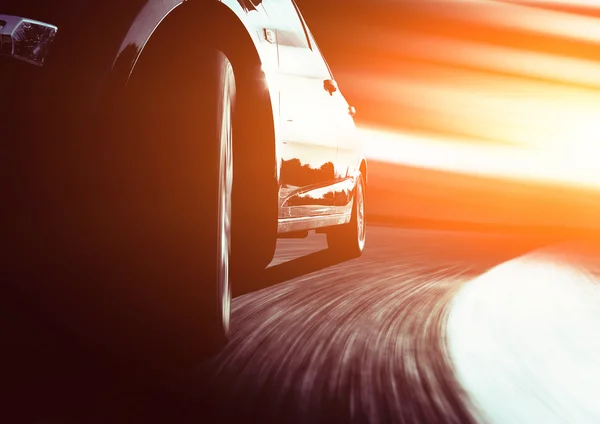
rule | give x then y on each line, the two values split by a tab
25	39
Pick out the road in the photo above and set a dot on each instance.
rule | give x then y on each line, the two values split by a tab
319	340
359	341
427	326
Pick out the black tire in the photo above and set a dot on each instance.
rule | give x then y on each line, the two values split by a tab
145	286
191	320
348	240
203	104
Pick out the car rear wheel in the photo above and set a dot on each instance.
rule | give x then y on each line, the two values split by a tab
348	240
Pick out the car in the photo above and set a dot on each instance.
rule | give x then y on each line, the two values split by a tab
155	150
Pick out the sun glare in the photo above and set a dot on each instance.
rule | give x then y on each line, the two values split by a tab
576	166
513	92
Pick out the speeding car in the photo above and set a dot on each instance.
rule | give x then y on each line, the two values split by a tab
152	148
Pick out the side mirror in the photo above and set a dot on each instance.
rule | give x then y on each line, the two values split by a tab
330	86
351	110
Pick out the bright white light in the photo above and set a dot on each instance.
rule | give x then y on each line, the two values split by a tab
568	165
523	340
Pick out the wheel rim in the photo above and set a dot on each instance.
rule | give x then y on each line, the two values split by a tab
224	200
360	216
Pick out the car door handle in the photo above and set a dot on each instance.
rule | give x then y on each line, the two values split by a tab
330	86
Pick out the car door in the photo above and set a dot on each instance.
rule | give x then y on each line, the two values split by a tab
341	118
308	141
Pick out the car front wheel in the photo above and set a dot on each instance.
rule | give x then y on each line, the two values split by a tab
167	285
189	211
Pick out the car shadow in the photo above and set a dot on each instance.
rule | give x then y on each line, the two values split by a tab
244	283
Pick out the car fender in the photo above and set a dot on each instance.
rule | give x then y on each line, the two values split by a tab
154	12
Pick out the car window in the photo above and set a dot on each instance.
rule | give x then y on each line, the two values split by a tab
285	19
314	45
304	26
297	50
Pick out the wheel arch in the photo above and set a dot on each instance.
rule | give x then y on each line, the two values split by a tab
220	25
202	20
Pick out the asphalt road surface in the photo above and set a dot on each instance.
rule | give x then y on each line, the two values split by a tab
417	330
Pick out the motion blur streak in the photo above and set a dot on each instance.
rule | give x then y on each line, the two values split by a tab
591	4
576	167
529	20
484	87
523	338
354	342
512	61
356	345
555	119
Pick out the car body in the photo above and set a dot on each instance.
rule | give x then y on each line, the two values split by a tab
299	166
317	149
